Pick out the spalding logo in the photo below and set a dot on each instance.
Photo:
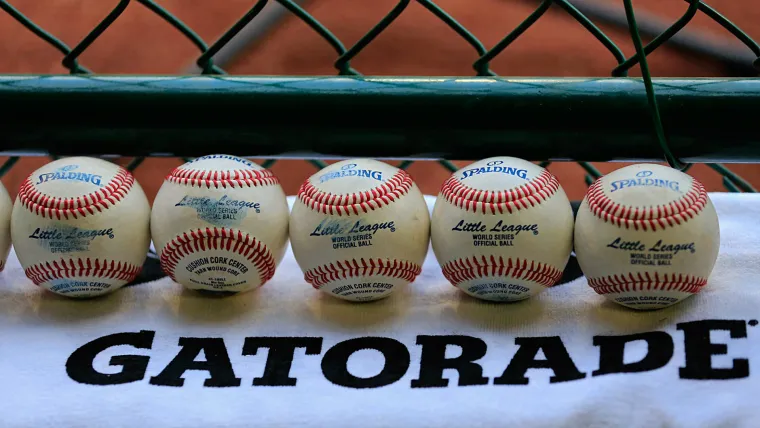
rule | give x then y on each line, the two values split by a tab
493	167
350	170
245	162
66	173
642	179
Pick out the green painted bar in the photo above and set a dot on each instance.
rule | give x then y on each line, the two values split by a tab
706	120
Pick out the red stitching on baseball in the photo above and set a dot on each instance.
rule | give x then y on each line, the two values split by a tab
525	196
230	240
647	218
646	282
468	269
223	179
94	268
336	271
355	203
80	206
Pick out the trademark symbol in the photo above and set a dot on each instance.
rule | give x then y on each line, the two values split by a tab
752	322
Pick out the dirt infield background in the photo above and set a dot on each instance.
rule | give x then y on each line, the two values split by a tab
417	43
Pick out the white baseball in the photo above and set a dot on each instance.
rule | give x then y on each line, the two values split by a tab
502	229
6	206
647	236
359	229
220	224
80	227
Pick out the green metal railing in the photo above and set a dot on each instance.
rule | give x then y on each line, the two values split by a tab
616	118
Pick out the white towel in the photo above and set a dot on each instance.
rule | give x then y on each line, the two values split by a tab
380	364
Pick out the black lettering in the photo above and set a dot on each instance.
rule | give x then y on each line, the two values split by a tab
433	361
612	352
614	244
557	359
699	350
280	357
396	355
217	363
79	366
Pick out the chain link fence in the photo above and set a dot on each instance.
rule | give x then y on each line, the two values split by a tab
481	66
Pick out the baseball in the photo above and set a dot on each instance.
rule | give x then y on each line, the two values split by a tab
359	229
502	229
647	236
220	224
6	206
80	227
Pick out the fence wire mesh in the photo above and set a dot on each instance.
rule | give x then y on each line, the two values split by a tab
481	66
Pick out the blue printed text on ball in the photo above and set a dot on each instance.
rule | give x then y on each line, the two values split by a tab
68	239
350	170
224	211
66	173
645	182
508	170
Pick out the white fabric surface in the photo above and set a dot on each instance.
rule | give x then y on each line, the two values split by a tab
39	331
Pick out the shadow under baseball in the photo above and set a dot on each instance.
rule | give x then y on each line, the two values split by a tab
49	306
200	307
357	316
496	316
627	320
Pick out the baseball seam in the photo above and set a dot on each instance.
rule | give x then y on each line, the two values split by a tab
339	270
234	241
471	268
646	282
94	268
355	203
647	218
216	179
524	196
80	206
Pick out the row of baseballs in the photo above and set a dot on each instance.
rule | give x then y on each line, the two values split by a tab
502	229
